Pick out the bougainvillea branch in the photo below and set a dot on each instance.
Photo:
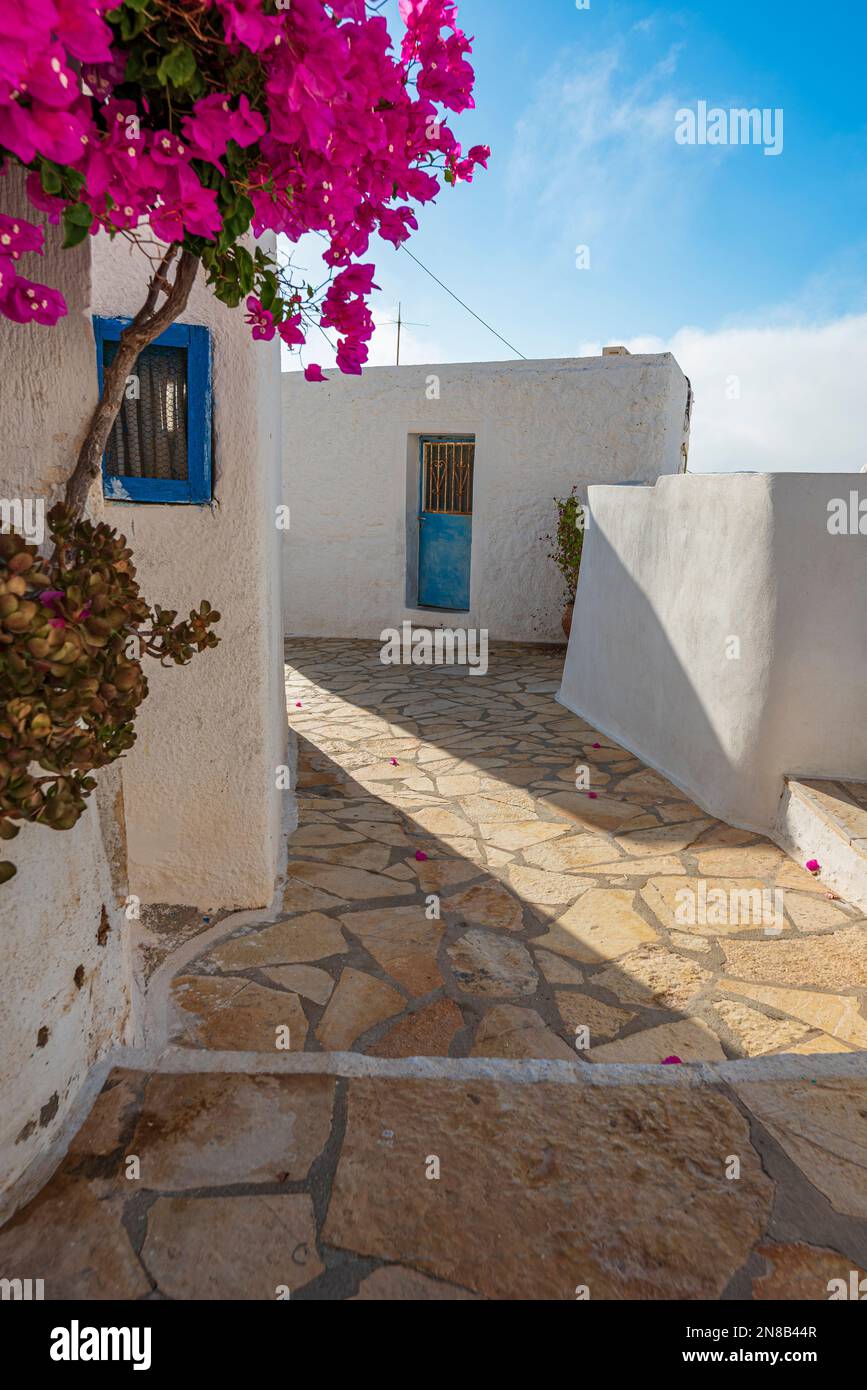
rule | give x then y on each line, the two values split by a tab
151	319
195	122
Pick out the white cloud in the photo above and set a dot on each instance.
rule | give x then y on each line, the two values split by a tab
774	399
596	143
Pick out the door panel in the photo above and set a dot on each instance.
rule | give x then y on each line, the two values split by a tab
445	522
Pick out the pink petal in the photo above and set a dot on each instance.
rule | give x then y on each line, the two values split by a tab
666	1061
420	854
813	866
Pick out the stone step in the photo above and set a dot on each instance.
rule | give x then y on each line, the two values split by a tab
825	818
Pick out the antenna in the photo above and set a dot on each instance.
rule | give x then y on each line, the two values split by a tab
399	322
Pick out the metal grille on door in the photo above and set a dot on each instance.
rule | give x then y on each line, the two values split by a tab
448	477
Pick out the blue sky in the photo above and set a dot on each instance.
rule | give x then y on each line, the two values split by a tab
752	268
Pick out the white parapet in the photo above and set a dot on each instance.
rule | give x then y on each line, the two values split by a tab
720	632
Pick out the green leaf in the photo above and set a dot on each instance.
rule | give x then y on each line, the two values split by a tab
178	66
50	177
76	224
132	23
244	262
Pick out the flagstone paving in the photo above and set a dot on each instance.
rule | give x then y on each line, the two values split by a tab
538	911
451	891
383	1188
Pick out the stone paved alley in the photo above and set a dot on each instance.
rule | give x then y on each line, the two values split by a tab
374	1090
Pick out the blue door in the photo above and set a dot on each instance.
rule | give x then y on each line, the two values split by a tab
445	522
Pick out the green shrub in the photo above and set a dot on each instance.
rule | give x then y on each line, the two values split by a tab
568	540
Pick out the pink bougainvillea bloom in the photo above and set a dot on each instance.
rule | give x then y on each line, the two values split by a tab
597	745
7	276
207	130
28	302
394	762
49	597
297	704
813	866
56	622
420	855
246	126
290	332
593	795
18	236
42	200
166	148
344	130
261	320
82	30
313	372
667	1061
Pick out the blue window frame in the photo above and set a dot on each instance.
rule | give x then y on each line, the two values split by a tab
160	446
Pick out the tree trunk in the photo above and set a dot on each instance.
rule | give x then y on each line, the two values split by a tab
147	325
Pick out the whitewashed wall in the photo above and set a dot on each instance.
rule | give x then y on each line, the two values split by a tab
673	576
202	806
50	913
350	476
197	799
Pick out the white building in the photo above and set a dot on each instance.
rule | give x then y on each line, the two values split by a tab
426	493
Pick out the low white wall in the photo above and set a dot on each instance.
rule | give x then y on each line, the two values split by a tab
203	810
51	911
670	575
351	479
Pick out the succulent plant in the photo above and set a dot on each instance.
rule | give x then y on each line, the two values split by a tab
72	631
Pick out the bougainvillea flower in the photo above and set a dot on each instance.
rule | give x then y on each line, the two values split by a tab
672	1061
420	855
813	866
313	372
261	320
290	331
18	236
29	302
317	122
81	30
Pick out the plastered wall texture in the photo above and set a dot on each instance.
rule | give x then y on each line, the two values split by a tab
202	804
54	1023
351	479
670	575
